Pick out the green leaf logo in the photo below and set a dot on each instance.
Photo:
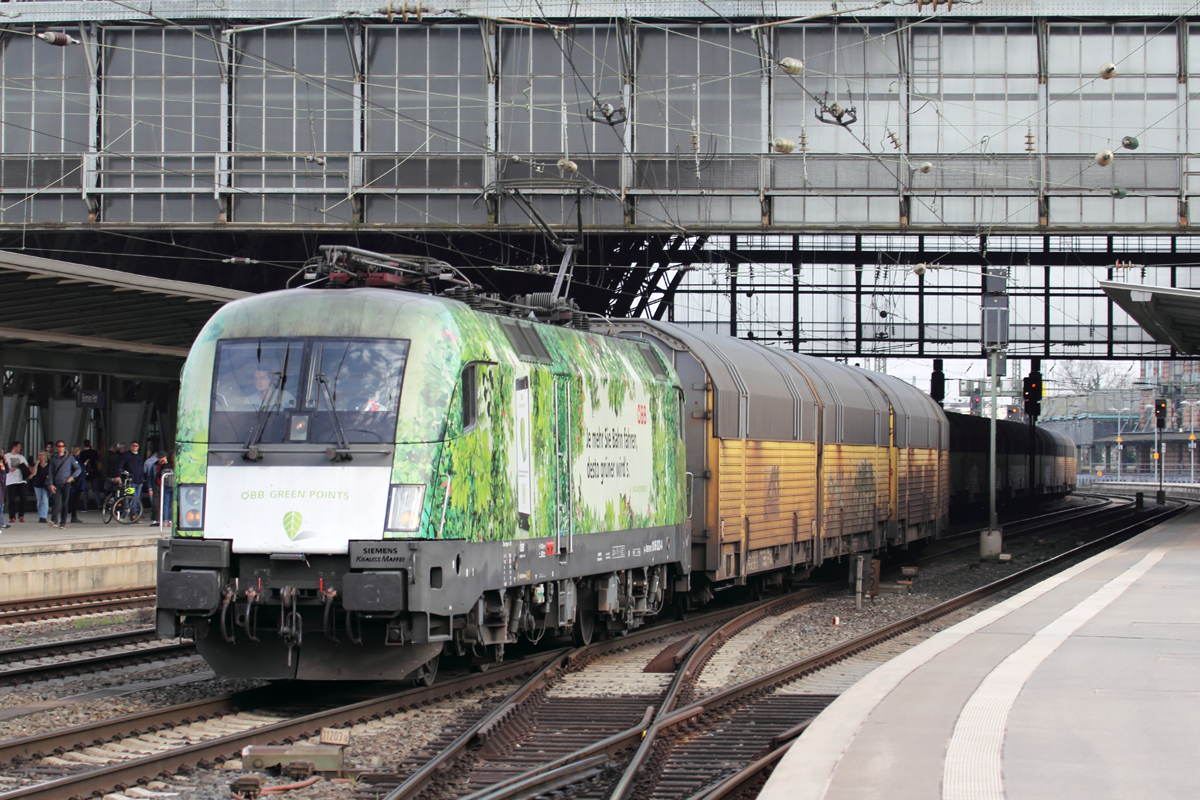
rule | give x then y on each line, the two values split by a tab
291	523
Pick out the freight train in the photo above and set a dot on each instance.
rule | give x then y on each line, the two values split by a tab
369	479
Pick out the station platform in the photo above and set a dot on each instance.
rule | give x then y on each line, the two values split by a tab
1085	685
37	560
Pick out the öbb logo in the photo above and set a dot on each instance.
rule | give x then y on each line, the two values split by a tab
643	414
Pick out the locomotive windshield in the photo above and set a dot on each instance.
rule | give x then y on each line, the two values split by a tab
274	391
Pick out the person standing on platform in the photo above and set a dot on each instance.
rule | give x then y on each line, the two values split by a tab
90	460
3	492
131	462
64	472
148	475
167	492
112	466
17	491
153	479
40	484
80	486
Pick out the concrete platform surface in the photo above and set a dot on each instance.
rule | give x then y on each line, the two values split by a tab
1085	685
37	560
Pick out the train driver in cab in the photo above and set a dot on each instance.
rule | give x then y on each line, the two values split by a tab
267	392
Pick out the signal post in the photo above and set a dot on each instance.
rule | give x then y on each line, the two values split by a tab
995	341
1160	424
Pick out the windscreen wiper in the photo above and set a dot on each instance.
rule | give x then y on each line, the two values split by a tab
343	445
260	419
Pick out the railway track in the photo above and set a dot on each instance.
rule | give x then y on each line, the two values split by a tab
1104	513
121	752
692	745
673	750
618	746
552	716
36	662
74	605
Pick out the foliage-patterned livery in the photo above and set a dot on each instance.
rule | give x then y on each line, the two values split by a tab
580	434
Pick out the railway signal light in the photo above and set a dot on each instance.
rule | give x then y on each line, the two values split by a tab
1033	395
1160	413
976	400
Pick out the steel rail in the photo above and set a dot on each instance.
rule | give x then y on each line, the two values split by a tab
1050	517
798	669
46	649
739	780
71	605
129	772
60	741
1099	515
420	780
583	763
94	662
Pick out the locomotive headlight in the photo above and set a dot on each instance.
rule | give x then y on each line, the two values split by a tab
191	507
404	507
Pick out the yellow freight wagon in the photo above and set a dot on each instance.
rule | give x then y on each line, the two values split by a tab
795	460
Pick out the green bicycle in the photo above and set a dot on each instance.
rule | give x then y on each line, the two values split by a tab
121	503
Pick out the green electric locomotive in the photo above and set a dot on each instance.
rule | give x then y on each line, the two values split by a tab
369	479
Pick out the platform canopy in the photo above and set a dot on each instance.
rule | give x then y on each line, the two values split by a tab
56	316
1171	316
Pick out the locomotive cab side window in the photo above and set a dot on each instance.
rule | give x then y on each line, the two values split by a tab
295	390
469	397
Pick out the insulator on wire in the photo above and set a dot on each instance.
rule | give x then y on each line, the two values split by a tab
1119	192
895	140
782	144
803	141
1030	142
567	165
1130	143
926	168
1104	157
57	38
1108	71
792	66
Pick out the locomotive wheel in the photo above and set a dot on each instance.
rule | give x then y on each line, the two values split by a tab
426	674
585	626
585	616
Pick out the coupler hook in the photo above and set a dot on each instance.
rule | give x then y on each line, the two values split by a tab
330	617
250	622
350	628
291	627
226	606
